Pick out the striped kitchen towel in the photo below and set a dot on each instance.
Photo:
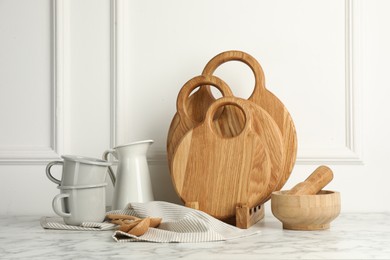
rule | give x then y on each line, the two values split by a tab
58	223
179	224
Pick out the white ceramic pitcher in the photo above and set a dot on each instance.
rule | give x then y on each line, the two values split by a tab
132	182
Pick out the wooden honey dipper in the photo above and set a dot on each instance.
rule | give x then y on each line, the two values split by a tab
314	183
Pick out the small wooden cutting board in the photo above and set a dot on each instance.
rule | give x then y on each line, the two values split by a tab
220	173
184	118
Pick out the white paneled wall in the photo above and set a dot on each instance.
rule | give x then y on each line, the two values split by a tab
27	98
305	56
55	93
80	76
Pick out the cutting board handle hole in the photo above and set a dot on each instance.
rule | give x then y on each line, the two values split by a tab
232	114
239	76
193	91
199	116
215	92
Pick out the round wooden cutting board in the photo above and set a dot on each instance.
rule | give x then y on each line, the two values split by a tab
184	118
219	172
266	100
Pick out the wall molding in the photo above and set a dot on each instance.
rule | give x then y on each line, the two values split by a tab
351	151
59	19
118	42
115	75
348	153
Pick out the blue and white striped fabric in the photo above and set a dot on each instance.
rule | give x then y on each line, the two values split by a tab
179	224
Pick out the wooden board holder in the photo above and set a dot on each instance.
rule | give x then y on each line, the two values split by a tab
245	217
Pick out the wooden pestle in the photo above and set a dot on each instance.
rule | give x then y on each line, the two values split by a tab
314	183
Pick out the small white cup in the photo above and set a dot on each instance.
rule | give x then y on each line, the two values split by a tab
79	204
79	170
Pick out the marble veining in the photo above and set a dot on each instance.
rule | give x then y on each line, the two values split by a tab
351	236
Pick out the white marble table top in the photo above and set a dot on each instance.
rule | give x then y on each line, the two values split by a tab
351	236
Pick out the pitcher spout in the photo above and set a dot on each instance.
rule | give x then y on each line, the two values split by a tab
135	148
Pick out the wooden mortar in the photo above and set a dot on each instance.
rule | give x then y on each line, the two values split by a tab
306	206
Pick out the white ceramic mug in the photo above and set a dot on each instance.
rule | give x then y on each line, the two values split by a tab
79	170
81	204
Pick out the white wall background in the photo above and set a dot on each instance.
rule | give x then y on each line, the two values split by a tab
55	93
74	81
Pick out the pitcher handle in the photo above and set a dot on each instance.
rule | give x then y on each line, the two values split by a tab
110	171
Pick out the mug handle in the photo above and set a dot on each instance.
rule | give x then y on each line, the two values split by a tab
57	205
110	171
48	173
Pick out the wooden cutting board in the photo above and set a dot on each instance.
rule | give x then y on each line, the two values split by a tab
272	139
266	100
218	173
188	116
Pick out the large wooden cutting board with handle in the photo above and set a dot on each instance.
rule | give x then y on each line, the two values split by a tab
184	119
266	100
218	173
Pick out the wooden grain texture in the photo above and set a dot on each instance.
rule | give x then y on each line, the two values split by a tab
264	126
188	116
247	217
314	183
266	100
306	212
272	139
219	172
